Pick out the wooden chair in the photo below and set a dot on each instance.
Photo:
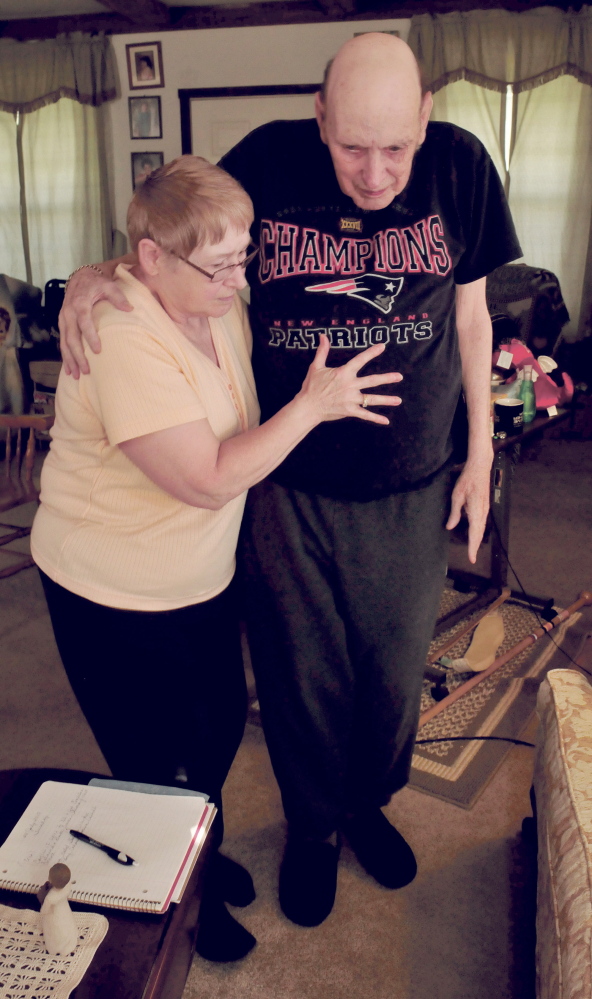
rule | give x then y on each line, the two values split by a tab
16	479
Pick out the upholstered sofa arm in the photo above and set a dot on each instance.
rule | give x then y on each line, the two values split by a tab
563	792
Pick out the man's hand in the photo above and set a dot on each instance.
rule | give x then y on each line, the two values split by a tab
85	289
474	339
471	493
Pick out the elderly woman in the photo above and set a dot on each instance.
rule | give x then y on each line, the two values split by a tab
142	496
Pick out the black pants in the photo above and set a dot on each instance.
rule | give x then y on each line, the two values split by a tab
342	599
160	690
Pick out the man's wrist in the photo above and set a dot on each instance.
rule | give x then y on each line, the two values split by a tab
480	451
93	267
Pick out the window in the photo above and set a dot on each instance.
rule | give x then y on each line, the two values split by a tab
541	143
51	218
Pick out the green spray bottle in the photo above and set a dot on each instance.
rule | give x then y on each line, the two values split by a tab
527	395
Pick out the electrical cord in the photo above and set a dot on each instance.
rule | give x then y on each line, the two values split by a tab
476	738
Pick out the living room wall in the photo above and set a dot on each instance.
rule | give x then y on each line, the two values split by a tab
219	57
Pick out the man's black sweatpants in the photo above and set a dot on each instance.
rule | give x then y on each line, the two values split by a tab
341	601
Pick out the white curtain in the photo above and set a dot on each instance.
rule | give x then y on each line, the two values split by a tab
62	223
63	188
477	110
551	183
12	258
523	84
54	201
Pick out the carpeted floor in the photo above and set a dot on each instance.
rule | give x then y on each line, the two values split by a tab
464	928
461	930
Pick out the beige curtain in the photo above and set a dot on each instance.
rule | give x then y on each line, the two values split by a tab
494	48
36	73
55	209
523	84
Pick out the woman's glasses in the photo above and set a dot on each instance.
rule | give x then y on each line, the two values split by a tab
224	272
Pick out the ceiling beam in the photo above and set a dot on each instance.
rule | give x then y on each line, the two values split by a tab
337	8
266	12
50	27
263	12
140	12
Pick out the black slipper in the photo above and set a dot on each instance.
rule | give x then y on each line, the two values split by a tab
308	881
233	882
220	937
380	848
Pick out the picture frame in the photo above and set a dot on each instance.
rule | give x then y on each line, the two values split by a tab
144	65
143	164
145	117
194	98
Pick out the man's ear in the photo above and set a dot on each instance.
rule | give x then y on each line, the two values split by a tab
150	256
320	115
425	111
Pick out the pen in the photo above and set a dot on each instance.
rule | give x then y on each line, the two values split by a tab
118	855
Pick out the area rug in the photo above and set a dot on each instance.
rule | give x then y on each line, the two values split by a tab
501	705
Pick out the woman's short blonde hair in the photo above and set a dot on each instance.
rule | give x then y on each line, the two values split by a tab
185	204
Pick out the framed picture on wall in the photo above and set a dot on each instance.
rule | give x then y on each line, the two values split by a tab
143	164
144	65
144	117
214	119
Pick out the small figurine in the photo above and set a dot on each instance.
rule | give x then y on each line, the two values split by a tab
57	920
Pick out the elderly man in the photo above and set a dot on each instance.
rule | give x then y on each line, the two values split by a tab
374	227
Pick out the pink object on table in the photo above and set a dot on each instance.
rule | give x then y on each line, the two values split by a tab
546	392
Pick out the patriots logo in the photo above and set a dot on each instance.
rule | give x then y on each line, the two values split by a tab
374	289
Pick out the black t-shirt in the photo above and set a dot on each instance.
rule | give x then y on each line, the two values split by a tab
367	277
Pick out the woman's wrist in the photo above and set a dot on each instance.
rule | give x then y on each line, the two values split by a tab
307	412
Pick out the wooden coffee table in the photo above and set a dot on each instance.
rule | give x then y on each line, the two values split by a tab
143	956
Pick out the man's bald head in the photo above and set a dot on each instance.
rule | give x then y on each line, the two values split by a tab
364	46
371	109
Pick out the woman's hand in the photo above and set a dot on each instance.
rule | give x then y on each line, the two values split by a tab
85	289
337	392
191	464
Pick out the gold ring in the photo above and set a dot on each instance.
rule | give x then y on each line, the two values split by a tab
365	401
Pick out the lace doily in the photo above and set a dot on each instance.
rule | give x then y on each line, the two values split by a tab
27	971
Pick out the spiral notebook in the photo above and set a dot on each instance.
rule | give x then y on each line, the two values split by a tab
163	833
